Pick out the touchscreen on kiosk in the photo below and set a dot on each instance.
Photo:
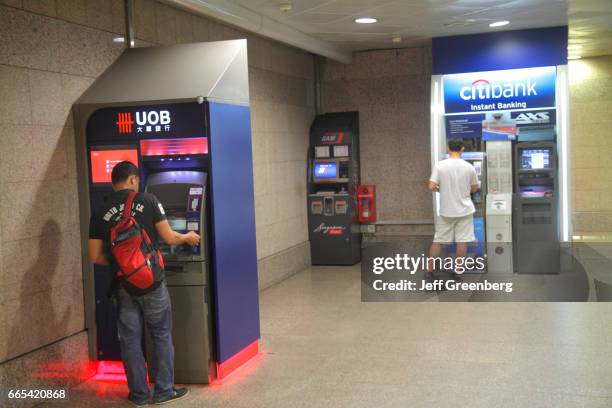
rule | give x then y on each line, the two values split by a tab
325	170
535	159
178	222
104	160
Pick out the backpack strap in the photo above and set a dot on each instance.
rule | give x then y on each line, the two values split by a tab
127	209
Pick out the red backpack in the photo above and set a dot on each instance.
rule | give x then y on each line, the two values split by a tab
141	267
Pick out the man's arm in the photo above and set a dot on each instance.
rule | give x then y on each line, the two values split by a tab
172	237
432	186
475	185
434	181
96	252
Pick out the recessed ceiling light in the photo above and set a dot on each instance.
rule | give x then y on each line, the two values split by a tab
396	39
574	57
499	23
286	7
365	20
574	47
119	40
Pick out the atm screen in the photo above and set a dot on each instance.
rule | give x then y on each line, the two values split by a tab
103	162
178	224
325	170
535	159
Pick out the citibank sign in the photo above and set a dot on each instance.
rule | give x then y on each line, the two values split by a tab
500	90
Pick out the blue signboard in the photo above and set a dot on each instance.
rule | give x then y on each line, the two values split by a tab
464	126
528	88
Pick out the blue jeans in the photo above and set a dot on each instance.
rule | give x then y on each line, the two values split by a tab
154	310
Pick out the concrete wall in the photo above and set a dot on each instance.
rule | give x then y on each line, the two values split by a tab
591	120
390	89
50	52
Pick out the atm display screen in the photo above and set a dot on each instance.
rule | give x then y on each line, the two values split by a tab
178	224
103	162
535	159
325	170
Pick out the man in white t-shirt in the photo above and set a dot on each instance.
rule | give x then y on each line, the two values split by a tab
454	179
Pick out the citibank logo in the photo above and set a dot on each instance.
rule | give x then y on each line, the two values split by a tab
146	121
483	89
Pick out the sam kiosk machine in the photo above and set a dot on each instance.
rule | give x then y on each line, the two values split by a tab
333	176
192	145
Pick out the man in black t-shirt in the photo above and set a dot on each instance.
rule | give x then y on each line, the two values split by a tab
153	308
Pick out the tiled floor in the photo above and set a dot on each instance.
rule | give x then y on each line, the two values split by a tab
324	348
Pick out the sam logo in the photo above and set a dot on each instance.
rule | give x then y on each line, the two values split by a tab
528	118
483	89
332	138
330	229
124	122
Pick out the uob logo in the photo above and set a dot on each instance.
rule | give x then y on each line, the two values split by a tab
146	119
124	122
153	118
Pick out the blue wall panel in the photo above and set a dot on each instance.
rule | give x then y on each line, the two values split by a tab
500	50
234	245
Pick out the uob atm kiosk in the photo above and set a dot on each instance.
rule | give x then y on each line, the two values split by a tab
181	115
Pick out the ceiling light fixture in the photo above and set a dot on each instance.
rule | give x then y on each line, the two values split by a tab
365	20
574	47
499	23
396	39
119	40
286	7
574	57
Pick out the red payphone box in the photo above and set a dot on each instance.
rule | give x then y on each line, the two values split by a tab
366	203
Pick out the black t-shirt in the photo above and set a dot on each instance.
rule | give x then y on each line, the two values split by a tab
146	209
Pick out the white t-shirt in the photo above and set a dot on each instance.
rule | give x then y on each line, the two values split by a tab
455	178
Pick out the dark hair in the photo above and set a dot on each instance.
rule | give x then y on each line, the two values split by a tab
455	145
122	171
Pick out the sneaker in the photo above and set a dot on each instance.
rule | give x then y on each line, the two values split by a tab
136	403
177	393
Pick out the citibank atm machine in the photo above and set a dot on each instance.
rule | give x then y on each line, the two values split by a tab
191	141
333	177
478	248
536	231
499	206
477	159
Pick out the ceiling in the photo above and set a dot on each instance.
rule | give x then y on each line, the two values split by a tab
590	24
417	21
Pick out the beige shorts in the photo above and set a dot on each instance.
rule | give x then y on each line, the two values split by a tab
455	229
